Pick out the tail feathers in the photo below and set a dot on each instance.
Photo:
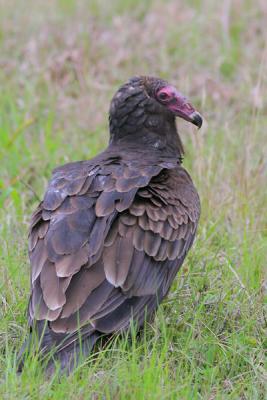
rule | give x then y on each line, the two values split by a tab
65	350
72	355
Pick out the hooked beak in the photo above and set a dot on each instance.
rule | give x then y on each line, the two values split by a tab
196	119
183	109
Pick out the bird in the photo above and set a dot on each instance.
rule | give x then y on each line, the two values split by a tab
111	233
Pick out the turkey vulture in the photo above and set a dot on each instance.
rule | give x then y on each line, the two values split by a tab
111	233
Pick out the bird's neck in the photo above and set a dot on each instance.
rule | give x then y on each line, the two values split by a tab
157	136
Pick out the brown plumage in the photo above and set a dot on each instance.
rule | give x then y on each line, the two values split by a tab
111	233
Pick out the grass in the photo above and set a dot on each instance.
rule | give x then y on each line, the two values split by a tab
60	63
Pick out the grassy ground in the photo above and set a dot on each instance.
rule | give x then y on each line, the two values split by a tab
60	62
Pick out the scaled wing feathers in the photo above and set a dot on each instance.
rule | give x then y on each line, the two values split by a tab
107	241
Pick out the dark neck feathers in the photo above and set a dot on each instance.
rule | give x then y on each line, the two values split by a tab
138	121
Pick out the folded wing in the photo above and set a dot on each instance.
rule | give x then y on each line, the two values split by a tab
106	244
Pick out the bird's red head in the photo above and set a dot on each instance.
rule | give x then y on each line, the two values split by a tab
144	110
178	104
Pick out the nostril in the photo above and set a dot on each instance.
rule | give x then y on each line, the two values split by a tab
188	106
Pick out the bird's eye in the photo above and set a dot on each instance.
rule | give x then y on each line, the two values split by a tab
163	96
